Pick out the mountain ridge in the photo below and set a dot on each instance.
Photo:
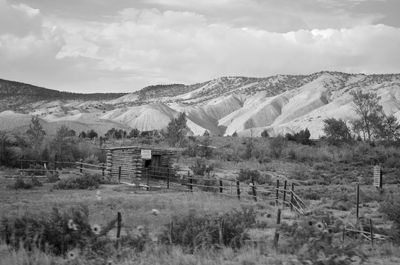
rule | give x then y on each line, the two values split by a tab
225	105
13	94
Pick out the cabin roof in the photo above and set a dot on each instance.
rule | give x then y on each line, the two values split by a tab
139	147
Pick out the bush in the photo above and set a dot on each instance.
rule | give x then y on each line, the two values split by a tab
247	175
277	145
92	159
313	242
302	137
27	184
80	182
60	232
200	167
52	176
201	231
390	206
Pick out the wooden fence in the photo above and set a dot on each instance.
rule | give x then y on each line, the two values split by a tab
183	180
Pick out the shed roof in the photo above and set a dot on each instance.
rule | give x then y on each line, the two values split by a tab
139	147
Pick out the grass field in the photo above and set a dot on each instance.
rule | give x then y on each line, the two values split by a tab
325	176
136	207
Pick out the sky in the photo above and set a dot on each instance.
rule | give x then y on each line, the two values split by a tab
125	45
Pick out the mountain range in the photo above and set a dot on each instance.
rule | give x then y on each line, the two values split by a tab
222	106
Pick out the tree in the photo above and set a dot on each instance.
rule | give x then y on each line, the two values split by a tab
35	132
64	144
388	128
265	134
115	134
336	130
91	134
206	133
235	134
367	107
82	134
176	130
134	133
7	141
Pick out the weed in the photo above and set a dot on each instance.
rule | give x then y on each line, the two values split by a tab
83	182
197	231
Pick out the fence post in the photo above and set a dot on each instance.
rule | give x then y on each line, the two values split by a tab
167	178
238	189
276	237
147	179
81	165
171	227
220	232
221	190
119	221
253	187
103	168
291	198
371	232
119	175
358	202
190	182
284	194
277	193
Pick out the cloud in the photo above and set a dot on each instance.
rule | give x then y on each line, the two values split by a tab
174	42
183	47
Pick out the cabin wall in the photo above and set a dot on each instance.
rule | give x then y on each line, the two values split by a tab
132	164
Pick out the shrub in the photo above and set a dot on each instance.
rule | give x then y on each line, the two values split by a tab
27	184
200	167
302	137
247	175
92	159
21	184
52	232
83	182
52	176
198	231
59	232
390	206
313	242
277	145
265	134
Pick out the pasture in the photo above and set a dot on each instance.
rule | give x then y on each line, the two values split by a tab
199	216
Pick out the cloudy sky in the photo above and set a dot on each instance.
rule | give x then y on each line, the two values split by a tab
124	45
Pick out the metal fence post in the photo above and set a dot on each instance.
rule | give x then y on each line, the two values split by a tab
238	189
119	175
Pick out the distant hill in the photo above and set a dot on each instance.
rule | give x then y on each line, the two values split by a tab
222	106
15	94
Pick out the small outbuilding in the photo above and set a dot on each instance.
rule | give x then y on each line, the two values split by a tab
130	162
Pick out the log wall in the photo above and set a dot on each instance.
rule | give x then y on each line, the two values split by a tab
132	164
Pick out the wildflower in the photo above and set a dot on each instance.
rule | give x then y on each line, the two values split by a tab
96	229
72	254
140	229
155	212
98	195
71	224
154	238
75	227
320	226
